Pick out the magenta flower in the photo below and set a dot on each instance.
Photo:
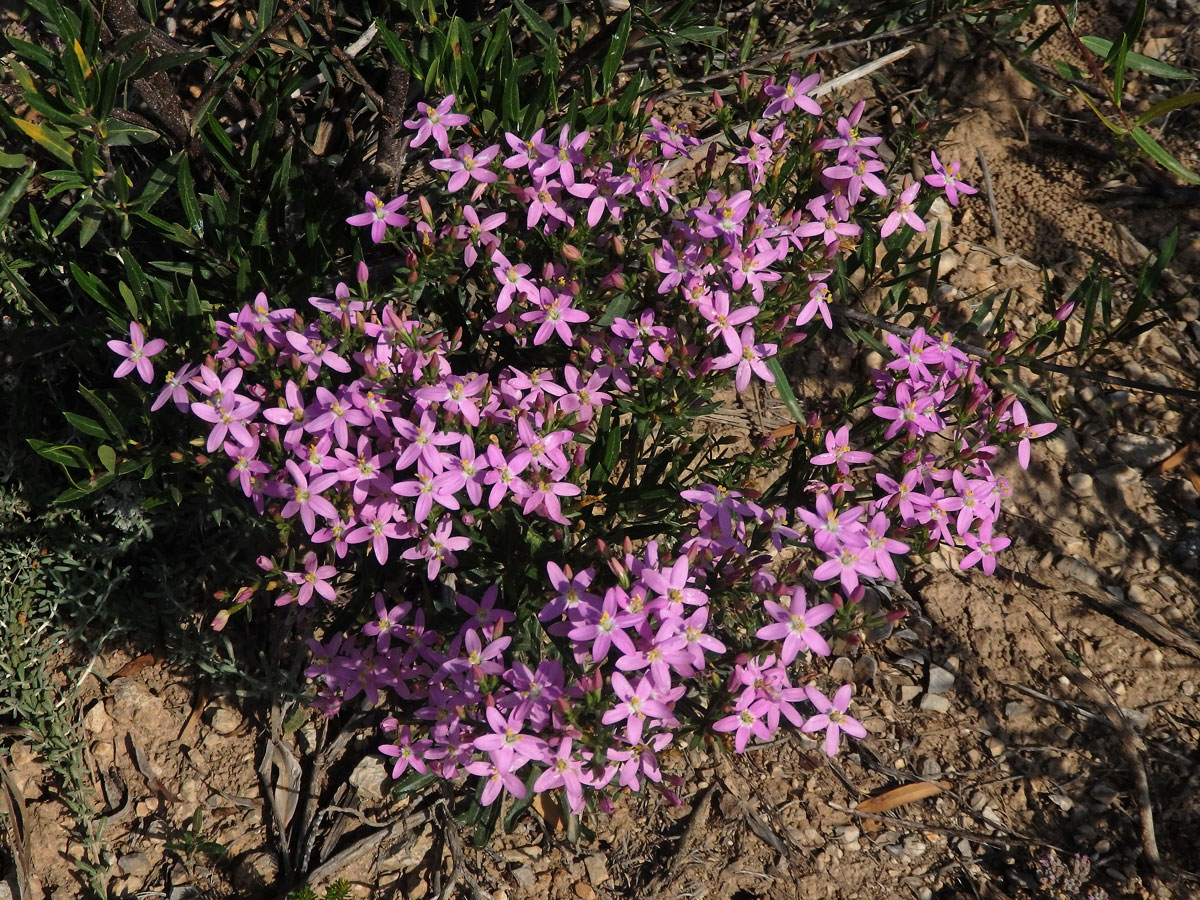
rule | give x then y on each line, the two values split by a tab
904	213
838	452
746	720
305	497
947	180
466	165
749	359
137	353
565	771
314	578
432	121
175	388
791	96
795	626
984	548
832	718
408	754
380	215
847	564
637	703
556	316
500	776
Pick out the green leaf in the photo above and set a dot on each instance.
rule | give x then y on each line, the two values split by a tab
12	160
47	137
1122	51
1136	61
1169	105
108	457
15	191
784	389
187	195
616	50
63	454
536	24
111	422
1159	154
86	425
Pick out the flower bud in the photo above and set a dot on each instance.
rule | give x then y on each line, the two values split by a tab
718	102
425	207
571	253
1064	312
221	620
362	273
743	82
1007	340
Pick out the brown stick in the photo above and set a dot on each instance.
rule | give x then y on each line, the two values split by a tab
1131	745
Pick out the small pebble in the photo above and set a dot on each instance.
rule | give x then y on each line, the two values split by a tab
940	680
584	891
935	703
1081	484
995	746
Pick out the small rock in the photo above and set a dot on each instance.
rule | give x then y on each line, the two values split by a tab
842	670
1119	476
1066	804
584	891
1079	570
940	680
964	848
524	877
369	776
224	720
847	834
134	864
132	700
97	721
1141	450
597	868
909	693
930	767
1015	709
935	703
1081	484
1102	793
1187	688
994	746
865	668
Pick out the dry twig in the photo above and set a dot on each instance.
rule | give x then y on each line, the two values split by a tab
1131	744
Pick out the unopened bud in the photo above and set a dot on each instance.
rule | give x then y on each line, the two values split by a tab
571	253
1064	312
426	207
221	620
1007	340
718	102
362	273
743	82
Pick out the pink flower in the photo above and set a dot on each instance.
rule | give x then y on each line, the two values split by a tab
466	165
749	359
380	215
837	445
433	122
791	96
947	180
314	578
904	212
746	720
137	353
984	548
408	753
795	626
832	718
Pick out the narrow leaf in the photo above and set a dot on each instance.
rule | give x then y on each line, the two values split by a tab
905	794
1159	154
784	389
48	138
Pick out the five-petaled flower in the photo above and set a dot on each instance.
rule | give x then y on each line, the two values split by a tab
137	352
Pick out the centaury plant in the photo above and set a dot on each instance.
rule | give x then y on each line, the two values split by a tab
498	507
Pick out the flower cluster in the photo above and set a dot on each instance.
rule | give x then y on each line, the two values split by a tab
590	284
